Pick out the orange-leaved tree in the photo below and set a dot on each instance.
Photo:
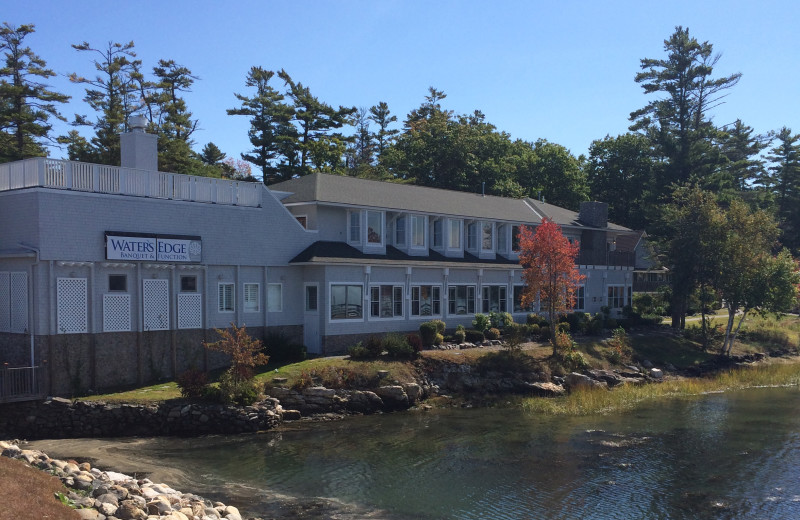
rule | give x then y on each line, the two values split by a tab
548	260
245	352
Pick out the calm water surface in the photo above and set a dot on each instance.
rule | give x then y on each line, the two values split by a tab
727	456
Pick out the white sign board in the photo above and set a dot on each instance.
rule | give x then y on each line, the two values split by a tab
153	248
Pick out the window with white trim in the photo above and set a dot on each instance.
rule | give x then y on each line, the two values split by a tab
354	227
515	234
225	300
251	297
472	235
454	240
487	236
580	298
386	301
438	233
400	231
311	298
375	227
502	238
494	298
426	300
346	302
460	299
418	230
616	296
274	297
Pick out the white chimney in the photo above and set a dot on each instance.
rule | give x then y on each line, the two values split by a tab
138	149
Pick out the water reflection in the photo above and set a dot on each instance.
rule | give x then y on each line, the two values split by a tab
731	456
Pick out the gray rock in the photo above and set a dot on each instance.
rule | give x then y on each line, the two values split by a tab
129	511
575	380
108	498
90	514
393	396
546	389
413	391
107	508
656	373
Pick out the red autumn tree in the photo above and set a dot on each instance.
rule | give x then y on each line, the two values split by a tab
548	259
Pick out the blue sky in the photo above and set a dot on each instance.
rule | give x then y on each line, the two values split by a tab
562	71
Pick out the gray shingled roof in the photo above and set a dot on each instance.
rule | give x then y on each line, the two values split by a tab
351	191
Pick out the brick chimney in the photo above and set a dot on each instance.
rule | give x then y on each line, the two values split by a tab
138	149
594	214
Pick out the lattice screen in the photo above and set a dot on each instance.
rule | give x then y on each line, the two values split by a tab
72	314
190	311
5	302
155	304
116	312
19	302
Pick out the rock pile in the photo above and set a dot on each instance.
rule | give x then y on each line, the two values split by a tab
320	400
106	495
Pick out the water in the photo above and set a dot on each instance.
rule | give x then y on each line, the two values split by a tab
722	456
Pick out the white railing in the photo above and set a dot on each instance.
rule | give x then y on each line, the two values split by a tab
98	178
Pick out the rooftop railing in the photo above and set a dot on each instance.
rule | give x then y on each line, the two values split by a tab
98	178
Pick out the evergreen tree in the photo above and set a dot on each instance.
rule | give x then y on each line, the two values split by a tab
361	152
551	169
271	132
211	154
175	124
381	116
784	181
27	104
114	94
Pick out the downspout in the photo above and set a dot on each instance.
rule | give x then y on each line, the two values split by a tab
31	304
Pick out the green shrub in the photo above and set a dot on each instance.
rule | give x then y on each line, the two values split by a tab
544	332
459	336
535	319
358	351
440	326
563	327
533	330
374	346
238	391
474	336
514	334
192	383
576	320
438	339
492	333
499	320
621	350
594	326
481	322
415	341
397	346
427	332
568	353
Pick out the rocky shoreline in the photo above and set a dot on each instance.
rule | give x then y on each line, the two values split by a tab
108	495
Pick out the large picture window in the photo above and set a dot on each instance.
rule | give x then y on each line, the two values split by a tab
346	302
494	298
386	301
426	300
461	299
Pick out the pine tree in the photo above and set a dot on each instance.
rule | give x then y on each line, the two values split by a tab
175	124
211	154
784	181
27	104
381	116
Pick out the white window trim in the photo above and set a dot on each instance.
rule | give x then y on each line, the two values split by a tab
404	219
523	311
476	303
511	238
477	225
382	229
501	230
442	302
624	296
330	296
394	286
305	298
480	237
486	285
244	297
459	234
583	308
233	298
441	222
349	226
424	232
280	302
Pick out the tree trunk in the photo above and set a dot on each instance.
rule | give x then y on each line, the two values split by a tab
730	344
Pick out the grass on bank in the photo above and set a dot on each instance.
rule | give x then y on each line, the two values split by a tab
27	493
599	400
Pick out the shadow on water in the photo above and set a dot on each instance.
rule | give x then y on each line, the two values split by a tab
734	455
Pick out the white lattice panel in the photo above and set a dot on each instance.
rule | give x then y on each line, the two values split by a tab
5	302
190	311
155	304
72	314
116	312
19	302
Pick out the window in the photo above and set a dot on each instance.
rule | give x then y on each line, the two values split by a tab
487	236
518	291
418	231
117	282
494	298
400	231
274	297
515	231
426	300
375	227
472	236
438	238
616	296
311	298
461	299
346	301
188	284
386	301
354	226
303	220
580	298
251	297
455	234
502	239
226	297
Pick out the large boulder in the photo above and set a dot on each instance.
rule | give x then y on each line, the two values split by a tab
575	380
545	389
394	397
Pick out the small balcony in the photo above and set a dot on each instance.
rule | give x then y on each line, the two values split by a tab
97	178
607	258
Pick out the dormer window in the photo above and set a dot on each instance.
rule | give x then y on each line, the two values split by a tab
487	236
454	240
400	231
472	235
502	238
438	233
375	228
515	231
354	227
418	230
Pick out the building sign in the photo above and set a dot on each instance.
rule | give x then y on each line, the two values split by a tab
153	248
